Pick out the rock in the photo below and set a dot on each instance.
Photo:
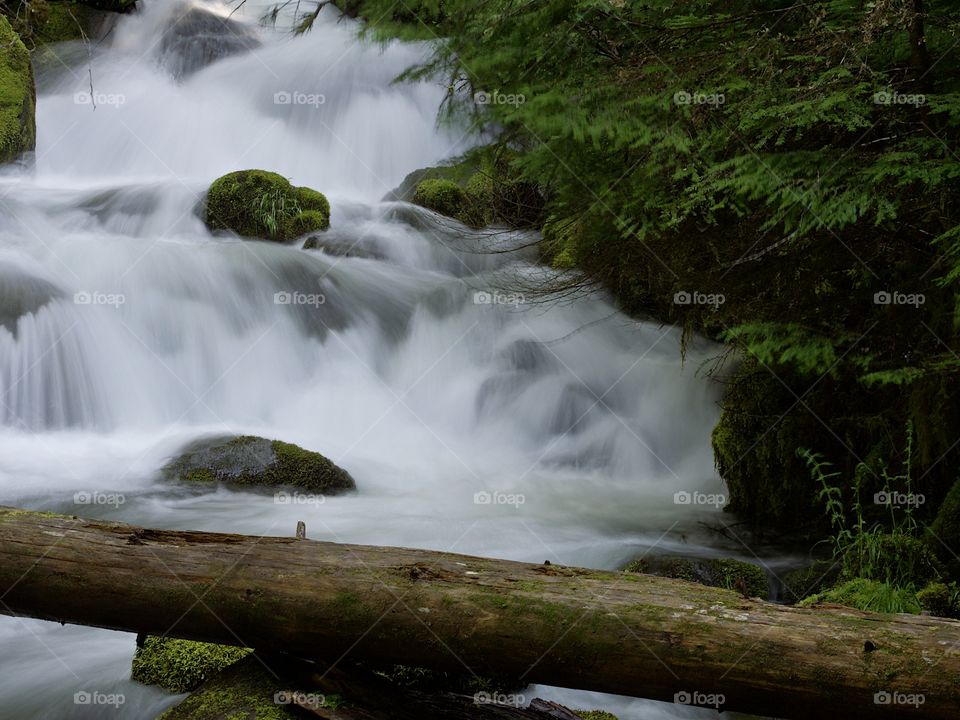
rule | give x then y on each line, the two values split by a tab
727	573
247	460
809	580
181	665
442	196
197	38
341	249
246	689
18	130
22	294
944	534
260	204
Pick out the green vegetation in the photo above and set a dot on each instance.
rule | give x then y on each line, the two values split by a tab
181	665
795	158
868	595
260	204
18	132
727	573
595	715
244	690
247	460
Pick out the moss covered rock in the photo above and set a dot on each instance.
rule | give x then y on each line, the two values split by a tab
595	715
181	665
940	599
727	573
260	204
803	582
245	690
945	529
18	130
247	460
442	196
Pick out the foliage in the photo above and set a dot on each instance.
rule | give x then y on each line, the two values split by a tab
181	665
796	158
879	542
869	595
728	573
940	599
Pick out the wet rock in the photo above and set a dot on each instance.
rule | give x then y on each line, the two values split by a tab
197	38
250	461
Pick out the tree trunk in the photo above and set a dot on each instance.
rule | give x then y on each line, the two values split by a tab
613	632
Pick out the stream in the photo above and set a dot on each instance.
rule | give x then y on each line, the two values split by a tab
475	417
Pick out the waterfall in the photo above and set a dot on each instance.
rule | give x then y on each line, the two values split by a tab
127	329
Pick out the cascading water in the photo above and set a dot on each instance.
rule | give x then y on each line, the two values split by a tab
128	331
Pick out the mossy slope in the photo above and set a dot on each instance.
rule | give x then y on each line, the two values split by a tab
18	131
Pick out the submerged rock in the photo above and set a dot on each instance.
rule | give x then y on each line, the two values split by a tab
22	294
181	665
197	38
261	204
247	460
18	130
726	573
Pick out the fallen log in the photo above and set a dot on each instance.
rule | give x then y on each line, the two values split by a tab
621	633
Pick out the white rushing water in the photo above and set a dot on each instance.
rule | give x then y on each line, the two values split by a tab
128	330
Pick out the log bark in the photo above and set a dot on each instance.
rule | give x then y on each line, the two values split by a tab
622	633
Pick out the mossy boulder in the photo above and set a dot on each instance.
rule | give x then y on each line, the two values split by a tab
803	582
595	715
261	204
245	689
727	573
442	196
18	130
945	530
181	665
940	599
250	461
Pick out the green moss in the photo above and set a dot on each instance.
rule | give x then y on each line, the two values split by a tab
726	573
261	204
815	578
243	691
248	460
945	529
442	196
595	715
940	599
868	595
181	665
18	132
